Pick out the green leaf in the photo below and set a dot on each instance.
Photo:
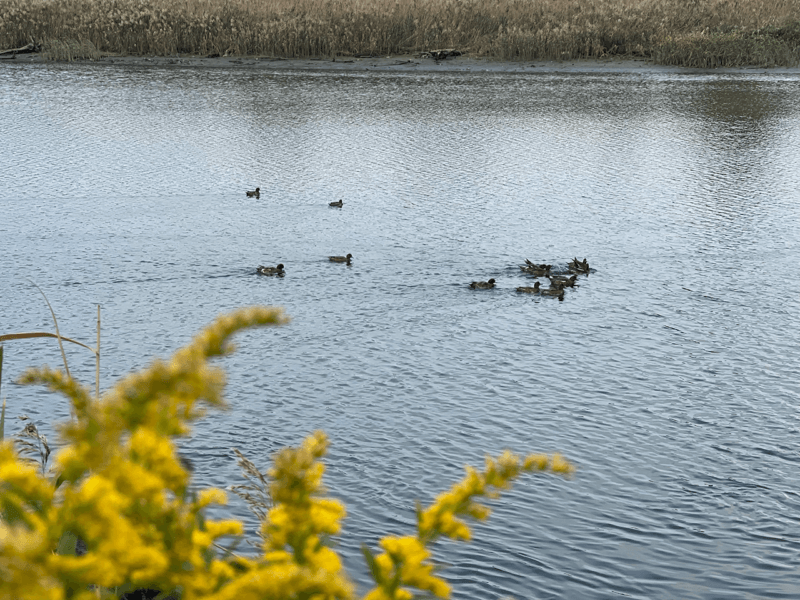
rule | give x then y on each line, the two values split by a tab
372	564
67	544
59	480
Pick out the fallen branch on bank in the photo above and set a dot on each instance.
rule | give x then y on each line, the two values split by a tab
440	54
26	49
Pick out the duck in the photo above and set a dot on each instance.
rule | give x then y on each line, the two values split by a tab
542	267
338	204
536	289
564	281
579	266
341	259
262	270
482	285
535	270
256	193
557	291
530	290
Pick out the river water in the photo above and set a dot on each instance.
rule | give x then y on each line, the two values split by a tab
669	375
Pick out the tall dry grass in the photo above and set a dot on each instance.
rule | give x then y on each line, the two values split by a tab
689	32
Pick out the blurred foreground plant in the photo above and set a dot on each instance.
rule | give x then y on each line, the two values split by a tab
123	490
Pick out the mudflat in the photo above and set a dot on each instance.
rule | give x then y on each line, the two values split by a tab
406	63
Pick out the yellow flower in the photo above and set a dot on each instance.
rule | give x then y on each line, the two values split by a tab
536	462
405	560
294	527
561	465
21	480
24	568
125	494
211	496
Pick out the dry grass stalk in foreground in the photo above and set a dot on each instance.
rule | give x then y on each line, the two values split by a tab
696	33
256	492
123	490
29	441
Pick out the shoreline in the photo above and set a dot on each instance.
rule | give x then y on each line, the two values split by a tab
408	63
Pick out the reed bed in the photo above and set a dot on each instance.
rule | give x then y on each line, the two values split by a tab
677	32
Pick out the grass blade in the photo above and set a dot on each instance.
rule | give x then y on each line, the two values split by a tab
55	322
38	334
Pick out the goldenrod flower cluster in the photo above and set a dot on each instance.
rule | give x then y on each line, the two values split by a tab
296	563
123	489
124	492
404	562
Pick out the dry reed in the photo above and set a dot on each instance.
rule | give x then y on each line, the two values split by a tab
32	445
256	491
69	50
693	32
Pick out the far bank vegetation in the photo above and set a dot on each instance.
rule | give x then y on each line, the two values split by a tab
700	33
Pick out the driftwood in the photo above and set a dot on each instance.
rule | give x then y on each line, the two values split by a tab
28	48
440	54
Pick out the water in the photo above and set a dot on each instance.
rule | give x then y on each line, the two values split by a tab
669	375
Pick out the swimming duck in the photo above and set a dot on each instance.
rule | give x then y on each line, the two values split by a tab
557	291
254	194
536	289
564	281
341	259
530	290
338	204
542	267
482	285
262	270
535	270
579	266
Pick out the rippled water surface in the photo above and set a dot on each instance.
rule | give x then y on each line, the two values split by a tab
669	375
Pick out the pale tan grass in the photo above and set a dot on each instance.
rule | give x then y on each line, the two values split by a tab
32	445
670	30
69	50
256	492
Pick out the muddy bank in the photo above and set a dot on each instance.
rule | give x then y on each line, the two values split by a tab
406	63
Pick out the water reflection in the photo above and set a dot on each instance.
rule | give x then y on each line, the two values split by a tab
669	374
